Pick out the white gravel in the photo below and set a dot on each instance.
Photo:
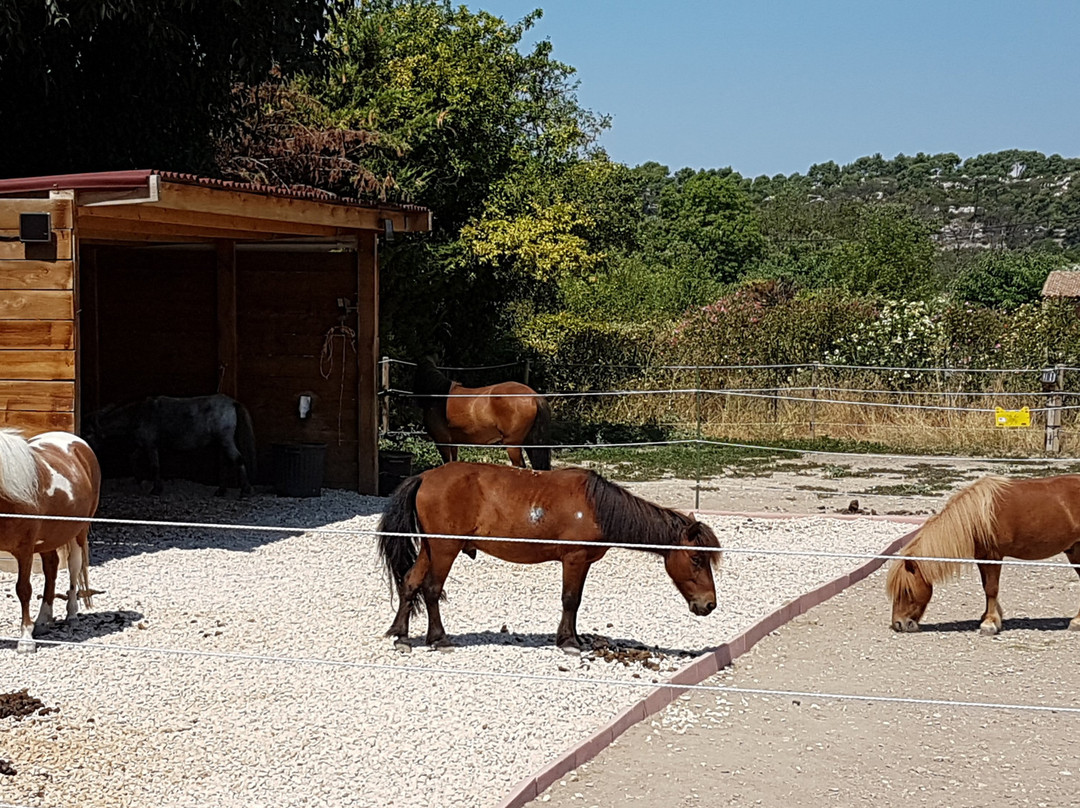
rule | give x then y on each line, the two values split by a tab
143	728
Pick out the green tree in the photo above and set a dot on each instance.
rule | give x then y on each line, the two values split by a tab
713	213
1005	279
108	84
487	135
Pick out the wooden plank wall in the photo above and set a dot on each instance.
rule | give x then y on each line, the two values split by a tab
287	315
37	320
149	328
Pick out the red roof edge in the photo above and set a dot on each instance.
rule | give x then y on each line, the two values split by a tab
115	180
97	180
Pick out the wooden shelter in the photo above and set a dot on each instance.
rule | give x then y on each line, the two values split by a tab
119	285
1062	283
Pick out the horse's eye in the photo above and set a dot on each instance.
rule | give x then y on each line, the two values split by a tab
698	560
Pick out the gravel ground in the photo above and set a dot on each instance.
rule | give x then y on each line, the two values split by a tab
710	749
137	725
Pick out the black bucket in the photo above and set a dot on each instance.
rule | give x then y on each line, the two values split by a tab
299	469
393	468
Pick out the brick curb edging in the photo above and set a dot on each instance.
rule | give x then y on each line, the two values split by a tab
699	669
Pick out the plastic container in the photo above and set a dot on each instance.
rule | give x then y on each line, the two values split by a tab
393	468
299	469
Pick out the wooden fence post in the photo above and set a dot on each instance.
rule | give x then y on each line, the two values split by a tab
528	368
813	404
384	394
1054	384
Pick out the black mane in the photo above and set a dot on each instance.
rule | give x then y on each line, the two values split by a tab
629	519
430	385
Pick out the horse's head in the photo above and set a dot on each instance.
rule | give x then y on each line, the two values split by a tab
429	381
910	593
691	568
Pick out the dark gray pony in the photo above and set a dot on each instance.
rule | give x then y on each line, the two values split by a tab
163	423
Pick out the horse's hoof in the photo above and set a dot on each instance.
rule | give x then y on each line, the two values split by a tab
445	644
1074	624
572	650
26	647
989	629
402	647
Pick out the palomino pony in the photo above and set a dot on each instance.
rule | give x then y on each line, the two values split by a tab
508	413
180	425
477	500
54	474
990	519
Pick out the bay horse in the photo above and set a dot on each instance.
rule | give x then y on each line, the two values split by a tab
53	474
994	517
507	413
478	500
180	425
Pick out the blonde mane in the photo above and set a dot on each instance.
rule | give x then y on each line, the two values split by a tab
967	523
18	469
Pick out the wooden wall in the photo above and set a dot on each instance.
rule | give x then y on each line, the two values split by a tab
290	343
152	326
37	320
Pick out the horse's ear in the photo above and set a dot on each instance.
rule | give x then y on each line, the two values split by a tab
911	567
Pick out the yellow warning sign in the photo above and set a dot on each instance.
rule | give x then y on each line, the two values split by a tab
1012	418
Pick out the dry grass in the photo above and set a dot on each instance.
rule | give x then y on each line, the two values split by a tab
880	417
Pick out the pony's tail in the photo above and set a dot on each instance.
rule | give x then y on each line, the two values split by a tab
540	455
245	440
399	552
82	588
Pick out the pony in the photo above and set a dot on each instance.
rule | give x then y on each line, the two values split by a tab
507	413
181	424
472	501
53	474
992	518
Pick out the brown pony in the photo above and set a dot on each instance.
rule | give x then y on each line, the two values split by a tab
54	474
508	413
474	500
990	519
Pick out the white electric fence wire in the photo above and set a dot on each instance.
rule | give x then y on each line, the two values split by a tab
352	532
791	366
708	442
548	678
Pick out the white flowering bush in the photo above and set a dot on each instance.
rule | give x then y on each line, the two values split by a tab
905	334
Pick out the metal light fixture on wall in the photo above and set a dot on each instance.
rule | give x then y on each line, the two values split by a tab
388	229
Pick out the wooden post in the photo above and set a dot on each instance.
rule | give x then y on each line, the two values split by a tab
1054	387
367	358
226	318
813	404
384	394
528	367
697	445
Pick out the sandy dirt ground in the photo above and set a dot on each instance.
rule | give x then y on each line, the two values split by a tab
721	749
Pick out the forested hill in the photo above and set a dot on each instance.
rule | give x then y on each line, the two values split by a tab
1011	198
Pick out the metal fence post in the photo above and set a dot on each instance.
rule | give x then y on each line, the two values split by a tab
384	394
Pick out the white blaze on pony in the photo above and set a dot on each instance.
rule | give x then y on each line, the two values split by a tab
54	474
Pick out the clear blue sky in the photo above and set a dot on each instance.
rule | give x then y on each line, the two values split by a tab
772	87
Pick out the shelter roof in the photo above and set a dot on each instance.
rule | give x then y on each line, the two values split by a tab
1062	283
155	206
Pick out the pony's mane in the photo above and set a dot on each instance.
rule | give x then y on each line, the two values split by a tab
967	523
626	518
18	469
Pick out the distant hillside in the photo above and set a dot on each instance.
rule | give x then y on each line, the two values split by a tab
1014	199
